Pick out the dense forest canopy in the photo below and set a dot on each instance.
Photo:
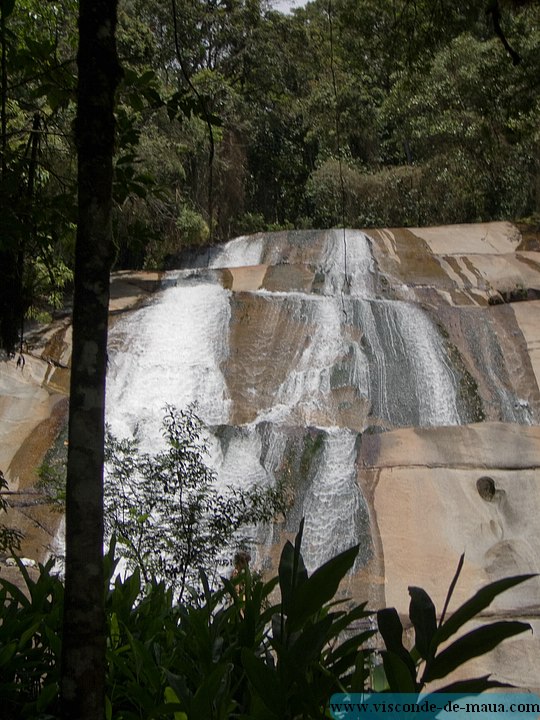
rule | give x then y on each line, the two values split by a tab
233	117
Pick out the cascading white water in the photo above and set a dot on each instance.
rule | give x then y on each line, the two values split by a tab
411	379
241	252
324	351
303	395
348	254
169	353
333	503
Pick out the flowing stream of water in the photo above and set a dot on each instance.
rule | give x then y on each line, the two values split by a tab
336	358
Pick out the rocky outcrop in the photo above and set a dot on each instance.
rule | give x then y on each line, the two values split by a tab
438	492
394	379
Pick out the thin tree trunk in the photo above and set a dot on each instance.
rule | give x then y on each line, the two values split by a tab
83	649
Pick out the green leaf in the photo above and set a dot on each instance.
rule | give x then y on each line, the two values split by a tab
265	681
53	638
172	697
7	652
391	630
361	673
475	605
452	587
148	76
357	613
309	644
473	644
114	630
15	593
379	681
320	587
165	710
292	571
398	673
349	647
24	572
46	696
209	692
424	619
28	634
178	685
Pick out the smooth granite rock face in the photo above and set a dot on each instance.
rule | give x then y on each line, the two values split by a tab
475	489
455	477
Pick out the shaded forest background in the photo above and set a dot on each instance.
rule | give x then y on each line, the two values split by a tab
234	118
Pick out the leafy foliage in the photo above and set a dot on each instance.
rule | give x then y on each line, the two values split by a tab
37	190
166	511
312	649
30	644
10	538
409	671
421	102
249	648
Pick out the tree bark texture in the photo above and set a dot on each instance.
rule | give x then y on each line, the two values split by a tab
83	650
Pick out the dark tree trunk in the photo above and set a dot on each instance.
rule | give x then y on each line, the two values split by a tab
10	287
83	651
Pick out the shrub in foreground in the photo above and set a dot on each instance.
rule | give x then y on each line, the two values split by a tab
273	650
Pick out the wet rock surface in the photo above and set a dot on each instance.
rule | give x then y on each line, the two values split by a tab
393	378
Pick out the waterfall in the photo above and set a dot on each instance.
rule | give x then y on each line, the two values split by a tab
169	352
334	509
411	378
264	366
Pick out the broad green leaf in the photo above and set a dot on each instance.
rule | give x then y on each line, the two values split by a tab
398	674
348	618
15	592
473	644
53	638
172	697
209	692
475	605
350	646
292	571
360	674
379	681
165	710
286	574
26	575
148	76
7	652
29	633
309	644
424	619
179	687
46	696
265	681
320	587
391	630
114	630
